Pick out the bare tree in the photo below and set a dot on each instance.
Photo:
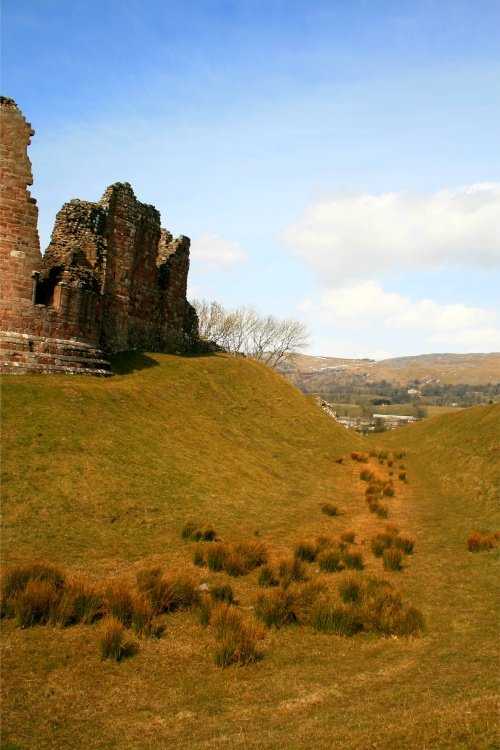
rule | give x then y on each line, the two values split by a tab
245	331
276	340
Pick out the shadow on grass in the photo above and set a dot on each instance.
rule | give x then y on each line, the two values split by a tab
126	363
129	649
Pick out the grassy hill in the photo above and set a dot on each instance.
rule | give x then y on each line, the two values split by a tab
105	472
453	470
99	477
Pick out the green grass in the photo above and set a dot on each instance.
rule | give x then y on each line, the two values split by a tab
113	469
100	477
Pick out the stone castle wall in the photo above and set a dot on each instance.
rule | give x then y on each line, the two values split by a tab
111	279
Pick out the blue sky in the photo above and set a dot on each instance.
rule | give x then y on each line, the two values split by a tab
337	162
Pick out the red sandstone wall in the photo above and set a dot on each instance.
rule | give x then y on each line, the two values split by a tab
58	337
19	242
130	291
177	319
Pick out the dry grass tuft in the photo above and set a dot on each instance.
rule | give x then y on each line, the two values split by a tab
216	556
367	475
291	571
362	458
34	604
112	639
236	642
330	560
353	560
348	537
142	616
233	562
405	544
328	616
410	621
382	541
477	542
174	592
380	510
375	506
196	532
120	602
280	607
253	553
391	539
351	590
147	579
17	577
199	556
305	551
38	593
79	602
392	559
234	559
267	577
382	611
223	593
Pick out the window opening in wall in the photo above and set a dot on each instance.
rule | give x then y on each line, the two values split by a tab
44	291
164	277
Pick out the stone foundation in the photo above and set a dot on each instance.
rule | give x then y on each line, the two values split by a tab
22	353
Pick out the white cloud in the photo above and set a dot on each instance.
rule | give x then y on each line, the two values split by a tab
212	252
357	235
367	307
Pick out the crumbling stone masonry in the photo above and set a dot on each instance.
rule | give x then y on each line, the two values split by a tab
111	279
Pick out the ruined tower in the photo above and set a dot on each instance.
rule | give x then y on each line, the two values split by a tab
35	336
111	279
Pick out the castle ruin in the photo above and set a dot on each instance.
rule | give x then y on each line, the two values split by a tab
111	280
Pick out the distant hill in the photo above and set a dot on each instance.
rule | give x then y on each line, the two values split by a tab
446	368
429	379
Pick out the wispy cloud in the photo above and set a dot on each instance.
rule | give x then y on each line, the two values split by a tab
211	253
352	236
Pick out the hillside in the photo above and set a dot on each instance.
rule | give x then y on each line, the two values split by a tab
435	380
447	368
455	474
100	477
112	468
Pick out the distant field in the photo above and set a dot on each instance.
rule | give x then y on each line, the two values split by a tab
99	477
356	410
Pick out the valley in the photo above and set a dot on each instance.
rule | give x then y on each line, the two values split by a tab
113	469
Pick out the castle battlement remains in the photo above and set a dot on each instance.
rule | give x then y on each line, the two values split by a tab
111	279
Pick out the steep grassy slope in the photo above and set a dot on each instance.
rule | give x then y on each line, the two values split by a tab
100	476
457	456
453	466
105	472
453	470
